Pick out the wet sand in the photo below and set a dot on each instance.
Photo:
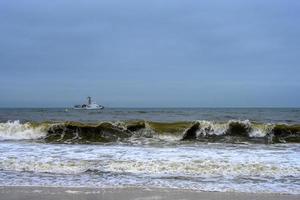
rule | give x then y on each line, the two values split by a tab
61	193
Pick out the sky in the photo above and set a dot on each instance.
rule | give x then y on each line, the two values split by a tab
150	53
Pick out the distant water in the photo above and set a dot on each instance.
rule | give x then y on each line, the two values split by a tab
263	115
150	157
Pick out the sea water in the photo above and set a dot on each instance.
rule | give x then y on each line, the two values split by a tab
168	162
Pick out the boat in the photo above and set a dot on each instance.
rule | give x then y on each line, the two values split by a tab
89	106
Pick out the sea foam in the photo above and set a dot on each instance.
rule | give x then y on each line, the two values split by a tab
14	130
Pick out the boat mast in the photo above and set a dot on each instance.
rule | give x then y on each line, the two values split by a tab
89	100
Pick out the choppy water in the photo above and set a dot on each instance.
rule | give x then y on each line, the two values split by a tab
264	115
148	161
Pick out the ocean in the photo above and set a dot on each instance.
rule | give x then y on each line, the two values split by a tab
253	150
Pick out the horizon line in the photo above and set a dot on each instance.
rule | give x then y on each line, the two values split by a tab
154	107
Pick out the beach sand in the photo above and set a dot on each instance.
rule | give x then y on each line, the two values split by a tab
47	193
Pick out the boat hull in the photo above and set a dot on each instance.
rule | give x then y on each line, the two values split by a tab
100	108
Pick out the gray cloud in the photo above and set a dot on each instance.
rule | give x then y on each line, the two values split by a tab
149	53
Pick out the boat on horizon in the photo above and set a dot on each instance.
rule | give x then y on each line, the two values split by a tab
89	106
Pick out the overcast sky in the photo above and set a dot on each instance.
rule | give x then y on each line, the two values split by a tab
150	53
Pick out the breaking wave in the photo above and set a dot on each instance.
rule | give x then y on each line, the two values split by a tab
232	131
233	127
14	130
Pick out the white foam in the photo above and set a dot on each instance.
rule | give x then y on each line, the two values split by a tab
213	128
14	130
43	165
203	168
209	167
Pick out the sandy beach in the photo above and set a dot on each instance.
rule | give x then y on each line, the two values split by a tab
47	193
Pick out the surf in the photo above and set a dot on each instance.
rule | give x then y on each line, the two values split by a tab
232	131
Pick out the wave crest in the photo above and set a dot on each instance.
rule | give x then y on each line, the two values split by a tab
14	130
233	131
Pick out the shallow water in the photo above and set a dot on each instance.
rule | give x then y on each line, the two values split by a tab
208	167
148	161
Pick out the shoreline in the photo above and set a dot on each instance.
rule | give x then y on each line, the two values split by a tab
128	193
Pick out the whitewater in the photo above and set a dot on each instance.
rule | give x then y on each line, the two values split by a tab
220	150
